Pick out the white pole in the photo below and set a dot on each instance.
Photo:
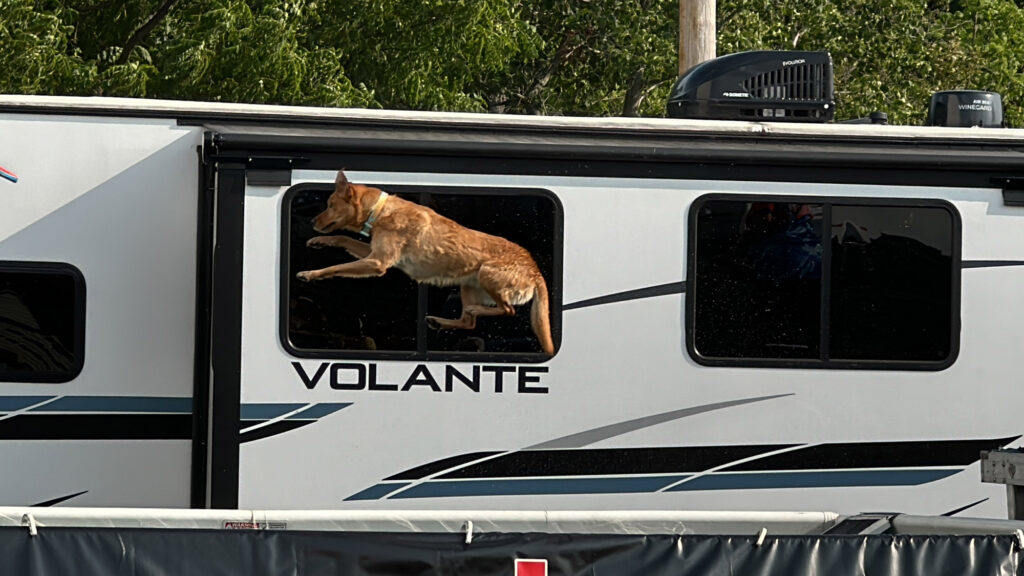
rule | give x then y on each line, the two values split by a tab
696	32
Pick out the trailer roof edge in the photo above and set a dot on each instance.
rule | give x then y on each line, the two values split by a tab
221	111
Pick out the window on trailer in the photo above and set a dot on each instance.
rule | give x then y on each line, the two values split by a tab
842	283
42	322
384	317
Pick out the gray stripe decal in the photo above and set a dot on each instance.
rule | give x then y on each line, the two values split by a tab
587	437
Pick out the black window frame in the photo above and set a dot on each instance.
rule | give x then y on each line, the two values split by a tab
78	330
825	363
554	284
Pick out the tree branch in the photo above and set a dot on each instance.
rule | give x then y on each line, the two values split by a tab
634	94
140	34
637	92
565	52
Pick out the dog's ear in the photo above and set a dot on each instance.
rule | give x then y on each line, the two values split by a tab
342	185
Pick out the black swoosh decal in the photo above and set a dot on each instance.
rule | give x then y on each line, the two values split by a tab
29	426
649	292
603	461
990	263
56	501
680	287
956	511
876	455
693	459
274	429
576	440
439	466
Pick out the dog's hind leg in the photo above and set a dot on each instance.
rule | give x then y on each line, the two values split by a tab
471	297
493	286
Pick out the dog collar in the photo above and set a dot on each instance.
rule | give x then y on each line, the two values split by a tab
374	212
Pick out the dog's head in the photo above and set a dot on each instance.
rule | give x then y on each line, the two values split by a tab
347	207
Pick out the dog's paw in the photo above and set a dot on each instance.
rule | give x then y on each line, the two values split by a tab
432	323
305	276
317	242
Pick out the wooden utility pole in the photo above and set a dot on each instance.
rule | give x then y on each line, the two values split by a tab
696	32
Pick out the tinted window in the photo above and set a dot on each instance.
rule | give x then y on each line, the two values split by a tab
42	322
343	313
891	283
764	285
385	315
758	280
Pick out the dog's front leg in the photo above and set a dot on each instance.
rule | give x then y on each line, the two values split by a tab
351	245
376	263
365	268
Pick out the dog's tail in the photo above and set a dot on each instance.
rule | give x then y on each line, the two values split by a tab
540	318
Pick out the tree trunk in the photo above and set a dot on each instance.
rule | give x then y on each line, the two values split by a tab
634	95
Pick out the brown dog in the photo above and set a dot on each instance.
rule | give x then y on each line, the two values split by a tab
494	274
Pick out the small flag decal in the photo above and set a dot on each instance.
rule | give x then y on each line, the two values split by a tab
7	174
531	567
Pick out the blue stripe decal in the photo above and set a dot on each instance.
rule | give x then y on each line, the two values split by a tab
816	479
377	492
539	486
12	403
318	411
161	405
648	484
266	411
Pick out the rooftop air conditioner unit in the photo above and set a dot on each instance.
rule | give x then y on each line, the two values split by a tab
788	86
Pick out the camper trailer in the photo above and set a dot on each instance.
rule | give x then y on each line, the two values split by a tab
744	314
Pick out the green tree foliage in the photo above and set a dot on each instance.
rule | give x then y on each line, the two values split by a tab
432	55
250	52
892	55
602	57
229	50
574	57
37	55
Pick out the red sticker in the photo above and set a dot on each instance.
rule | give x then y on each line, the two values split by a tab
531	567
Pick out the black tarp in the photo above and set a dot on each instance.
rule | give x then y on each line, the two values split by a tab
145	552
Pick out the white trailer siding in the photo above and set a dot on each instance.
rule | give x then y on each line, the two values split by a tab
117	199
627	360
